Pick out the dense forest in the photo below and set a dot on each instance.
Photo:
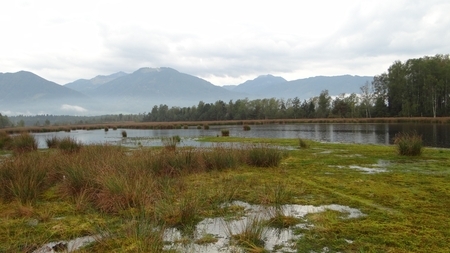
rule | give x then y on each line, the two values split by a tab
415	88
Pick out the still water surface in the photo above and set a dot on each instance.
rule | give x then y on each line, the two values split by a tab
434	135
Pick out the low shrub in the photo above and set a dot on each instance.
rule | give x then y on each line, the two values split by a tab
246	128
206	126
408	144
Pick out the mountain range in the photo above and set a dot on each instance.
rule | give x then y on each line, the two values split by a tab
26	93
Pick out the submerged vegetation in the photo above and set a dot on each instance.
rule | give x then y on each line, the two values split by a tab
129	198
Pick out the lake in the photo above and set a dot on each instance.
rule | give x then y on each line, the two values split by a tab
434	135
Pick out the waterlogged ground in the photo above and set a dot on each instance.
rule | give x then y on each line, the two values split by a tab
273	239
346	197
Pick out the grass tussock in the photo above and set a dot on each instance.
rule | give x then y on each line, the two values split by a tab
24	177
408	144
250	235
302	143
124	133
264	155
225	132
23	142
170	143
246	128
65	144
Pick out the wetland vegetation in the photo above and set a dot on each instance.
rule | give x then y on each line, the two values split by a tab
126	199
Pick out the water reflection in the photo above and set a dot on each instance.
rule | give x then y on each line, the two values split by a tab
435	135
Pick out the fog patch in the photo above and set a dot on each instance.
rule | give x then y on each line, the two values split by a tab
73	108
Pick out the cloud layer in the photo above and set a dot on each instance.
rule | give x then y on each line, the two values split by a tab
225	43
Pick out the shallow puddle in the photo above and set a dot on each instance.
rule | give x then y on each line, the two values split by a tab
67	246
379	167
222	229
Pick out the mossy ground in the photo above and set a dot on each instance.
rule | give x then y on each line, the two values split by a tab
406	207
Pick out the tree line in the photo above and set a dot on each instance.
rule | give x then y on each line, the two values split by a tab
416	88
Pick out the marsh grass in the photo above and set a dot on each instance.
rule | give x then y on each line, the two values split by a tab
69	145
250	234
52	142
406	208
5	140
408	143
170	143
302	143
220	158
23	142
138	234
225	132
24	178
264	155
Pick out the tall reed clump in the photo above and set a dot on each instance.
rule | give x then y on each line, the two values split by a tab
24	142
263	155
408	144
24	177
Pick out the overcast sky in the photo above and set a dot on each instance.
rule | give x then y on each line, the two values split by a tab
224	42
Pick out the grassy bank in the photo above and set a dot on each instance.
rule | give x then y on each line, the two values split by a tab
129	196
207	124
